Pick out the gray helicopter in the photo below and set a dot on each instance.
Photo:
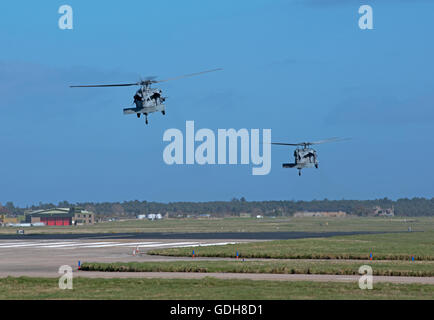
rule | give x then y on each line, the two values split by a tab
305	157
147	100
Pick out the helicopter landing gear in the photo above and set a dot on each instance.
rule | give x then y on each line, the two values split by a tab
138	115
299	172
316	165
163	112
146	119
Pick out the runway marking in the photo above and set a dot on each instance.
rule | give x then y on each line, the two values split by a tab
12	243
75	244
47	244
216	244
31	244
116	244
174	244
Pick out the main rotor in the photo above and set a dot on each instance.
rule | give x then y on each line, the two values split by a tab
305	145
144	83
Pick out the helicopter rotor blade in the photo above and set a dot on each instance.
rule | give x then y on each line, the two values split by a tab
186	75
146	81
287	144
335	139
150	78
105	85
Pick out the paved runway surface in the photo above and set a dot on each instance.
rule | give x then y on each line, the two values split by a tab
198	235
44	257
86	244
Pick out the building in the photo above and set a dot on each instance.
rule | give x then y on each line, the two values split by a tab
60	217
5	220
153	216
389	212
328	214
82	216
51	217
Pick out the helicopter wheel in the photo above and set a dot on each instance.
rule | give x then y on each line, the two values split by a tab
163	112
316	166
146	119
138	115
299	172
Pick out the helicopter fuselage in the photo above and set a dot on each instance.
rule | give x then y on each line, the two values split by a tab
145	108
147	100
303	158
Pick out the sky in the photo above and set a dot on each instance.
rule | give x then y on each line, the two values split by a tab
302	68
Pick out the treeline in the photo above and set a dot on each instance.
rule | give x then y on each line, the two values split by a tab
236	207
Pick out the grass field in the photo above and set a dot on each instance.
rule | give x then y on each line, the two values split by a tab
392	246
208	288
316	224
380	268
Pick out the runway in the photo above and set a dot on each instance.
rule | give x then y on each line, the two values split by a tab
190	235
86	244
43	258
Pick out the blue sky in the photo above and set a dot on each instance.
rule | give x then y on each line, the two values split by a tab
302	68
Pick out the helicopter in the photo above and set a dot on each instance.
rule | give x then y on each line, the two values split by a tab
305	157
147	100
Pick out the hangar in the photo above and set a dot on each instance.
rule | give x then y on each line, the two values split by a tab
60	216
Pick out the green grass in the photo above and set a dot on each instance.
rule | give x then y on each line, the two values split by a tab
393	246
316	224
380	268
208	288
